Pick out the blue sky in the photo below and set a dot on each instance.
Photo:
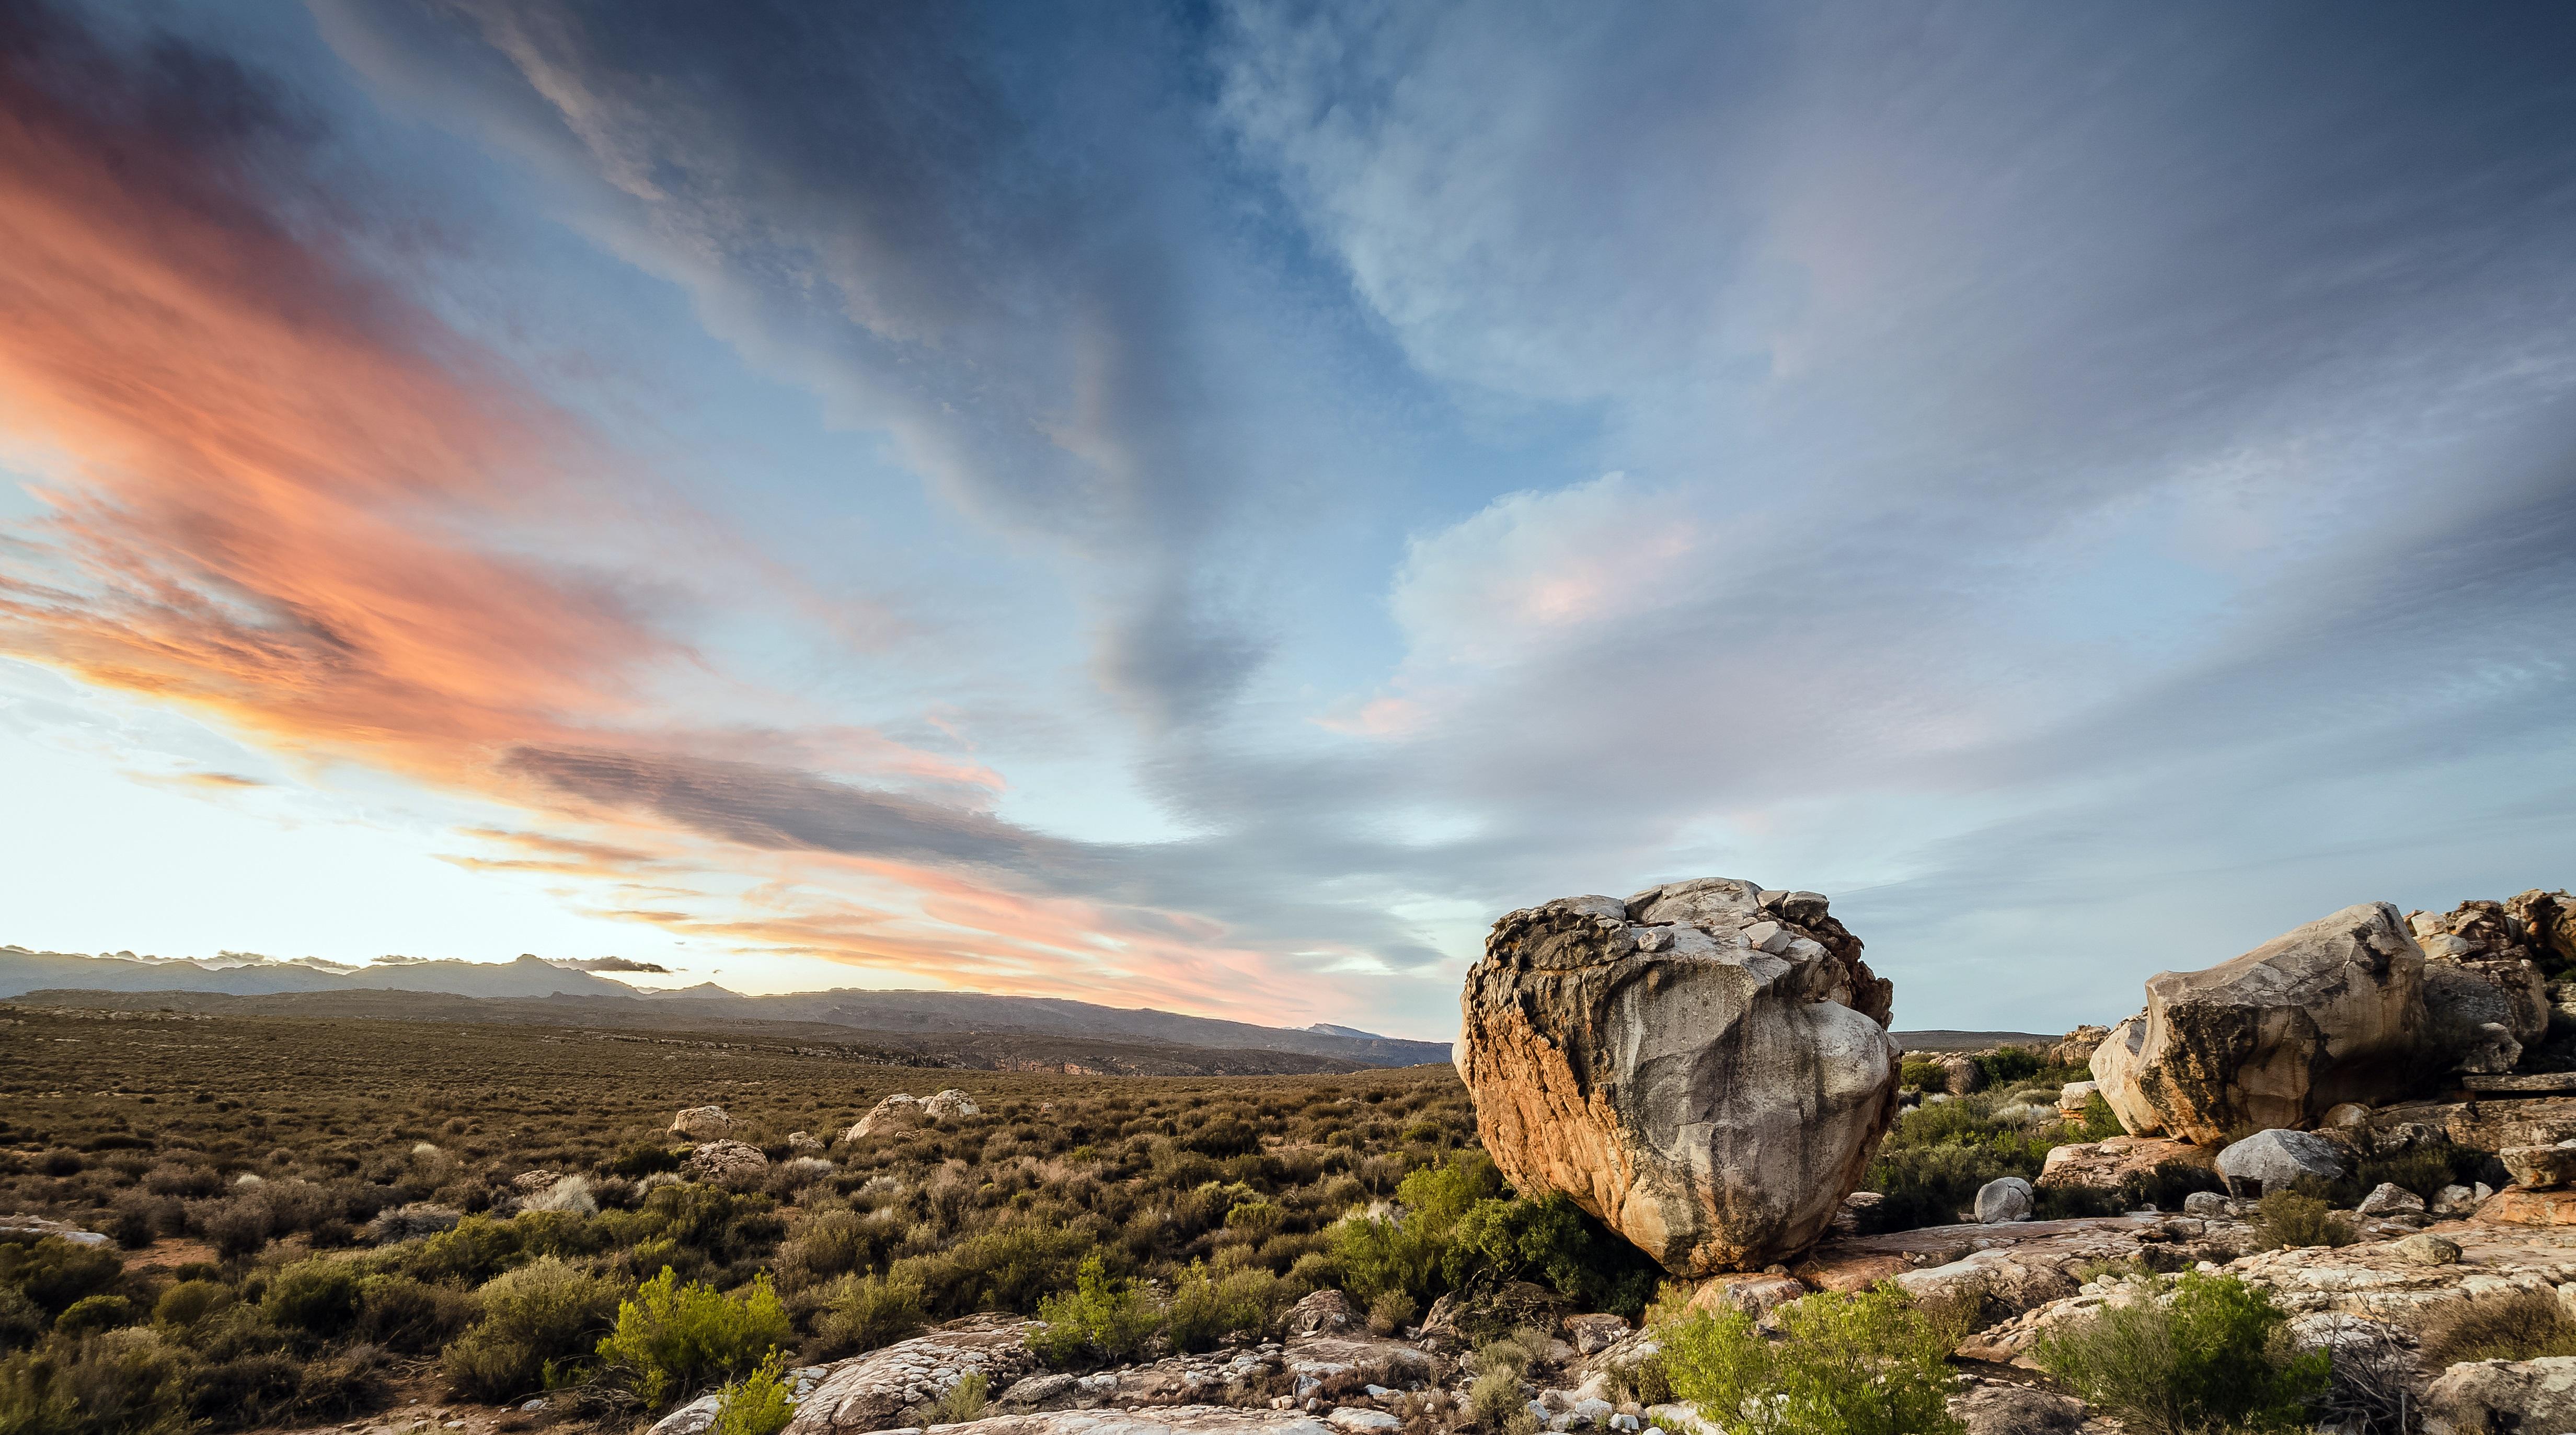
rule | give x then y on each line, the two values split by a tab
1206	507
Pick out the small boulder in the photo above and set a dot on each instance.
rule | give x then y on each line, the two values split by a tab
2075	1096
728	1161
950	1105
804	1143
2539	1167
2209	1206
2426	1249
701	1123
2076	1048
1326	1312
2345	1116
1592	1334
2004	1199
1994	1407
900	1109
2278	1158
2391	1199
1360	1420
1962	1077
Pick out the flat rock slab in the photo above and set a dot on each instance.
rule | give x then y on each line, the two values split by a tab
1170	1420
2528	1208
867	1392
1850	1263
2538	1083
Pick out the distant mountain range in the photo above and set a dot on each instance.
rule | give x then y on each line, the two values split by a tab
913	1018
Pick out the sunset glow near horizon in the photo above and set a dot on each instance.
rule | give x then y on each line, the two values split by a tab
1206	508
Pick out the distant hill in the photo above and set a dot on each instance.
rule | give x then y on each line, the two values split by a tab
910	1020
1973	1040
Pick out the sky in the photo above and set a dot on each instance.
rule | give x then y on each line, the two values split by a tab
1207	506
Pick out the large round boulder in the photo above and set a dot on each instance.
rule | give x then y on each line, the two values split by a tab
1704	1067
2331	1012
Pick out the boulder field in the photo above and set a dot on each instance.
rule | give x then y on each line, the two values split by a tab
1704	1067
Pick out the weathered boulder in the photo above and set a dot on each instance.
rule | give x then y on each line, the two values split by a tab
2278	1158
2539	1167
2503	1395
2390	1199
1704	1067
701	1123
2549	927
2075	1096
1326	1312
2477	1015
903	1110
2330	1012
2426	1249
728	1161
2104	1165
2076	1048
1961	1076
2006	1198
1995	1407
867	1392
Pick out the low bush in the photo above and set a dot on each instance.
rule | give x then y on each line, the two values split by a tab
2519	1327
961	1402
53	1272
411	1317
1206	1308
1873	1363
673	1337
539	1321
117	1382
2294	1218
1099	1321
188	1302
22	1321
863	1313
318	1297
1550	1241
2202	1353
97	1312
758	1404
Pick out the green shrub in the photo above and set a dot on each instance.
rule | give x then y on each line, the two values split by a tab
1867	1364
2098	1123
117	1382
54	1273
1012	1267
757	1404
1391	1312
1923	1075
317	1297
1099	1321
2006	1065
961	1402
644	1158
1207	1308
2293	1218
189	1302
95	1313
673	1337
2204	1352
538	1322
1550	1241
22	1321
474	1251
862	1313
413	1317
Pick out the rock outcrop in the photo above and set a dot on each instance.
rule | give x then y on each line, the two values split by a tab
2495	1395
903	1111
701	1123
1704	1067
2331	1012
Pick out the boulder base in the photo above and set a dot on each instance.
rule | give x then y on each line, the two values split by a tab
1704	1067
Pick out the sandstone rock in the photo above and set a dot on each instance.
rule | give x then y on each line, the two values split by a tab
2344	1116
867	1392
2278	1157
2426	1249
1359	1420
2502	1396
902	1109
2104	1165
2328	1013
1705	1067
2527	1208
1992	1407
2539	1167
804	1143
1036	1390
2549	927
1592	1334
529	1183
2076	1048
1326	1312
1961	1076
2209	1206
700	1123
950	1105
2006	1198
1756	1296
2390	1199
2474	1012
728	1161
2075	1096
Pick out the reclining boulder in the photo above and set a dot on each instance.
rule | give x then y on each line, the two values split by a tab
2331	1012
1704	1067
